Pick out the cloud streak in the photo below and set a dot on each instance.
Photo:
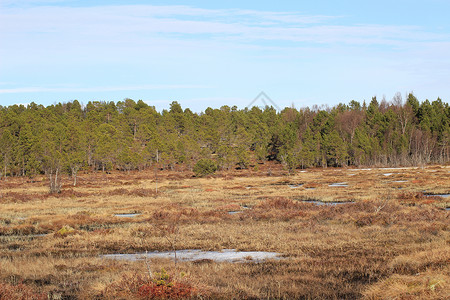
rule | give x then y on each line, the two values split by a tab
246	26
55	51
99	89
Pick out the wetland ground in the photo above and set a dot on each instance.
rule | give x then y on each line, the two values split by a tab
388	239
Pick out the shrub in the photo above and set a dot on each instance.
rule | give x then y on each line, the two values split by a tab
65	230
205	167
161	286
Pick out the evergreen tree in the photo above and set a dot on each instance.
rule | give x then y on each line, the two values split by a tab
128	135
336	152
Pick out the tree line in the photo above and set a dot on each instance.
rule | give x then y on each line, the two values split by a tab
130	135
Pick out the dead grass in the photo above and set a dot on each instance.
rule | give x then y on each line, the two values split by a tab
389	243
429	285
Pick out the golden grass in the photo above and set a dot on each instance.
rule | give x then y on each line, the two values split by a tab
390	242
429	285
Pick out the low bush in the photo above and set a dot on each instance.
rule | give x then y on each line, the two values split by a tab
205	167
161	286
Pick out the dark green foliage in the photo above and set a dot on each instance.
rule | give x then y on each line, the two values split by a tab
335	150
130	135
205	167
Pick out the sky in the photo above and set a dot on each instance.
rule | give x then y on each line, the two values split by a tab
214	53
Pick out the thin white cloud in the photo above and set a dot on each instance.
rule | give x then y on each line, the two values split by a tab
144	22
131	44
99	89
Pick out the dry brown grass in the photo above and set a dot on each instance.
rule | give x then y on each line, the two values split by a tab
390	242
429	285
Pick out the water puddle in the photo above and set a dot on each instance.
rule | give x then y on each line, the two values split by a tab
227	255
398	168
339	184
235	212
400	181
294	186
388	174
127	215
438	195
325	203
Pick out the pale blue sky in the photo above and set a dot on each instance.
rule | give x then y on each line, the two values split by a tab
214	53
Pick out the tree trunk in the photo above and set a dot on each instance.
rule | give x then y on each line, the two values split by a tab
89	156
50	176
74	175
5	168
55	181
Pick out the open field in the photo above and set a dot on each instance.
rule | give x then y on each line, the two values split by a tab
387	238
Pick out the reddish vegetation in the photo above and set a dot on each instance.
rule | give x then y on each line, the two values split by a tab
19	291
139	287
